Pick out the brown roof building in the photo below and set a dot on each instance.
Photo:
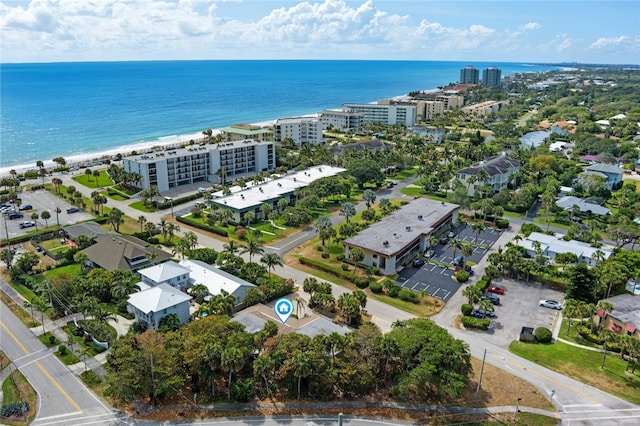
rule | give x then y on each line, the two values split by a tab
115	251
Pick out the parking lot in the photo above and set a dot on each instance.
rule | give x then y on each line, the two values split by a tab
41	201
436	279
519	308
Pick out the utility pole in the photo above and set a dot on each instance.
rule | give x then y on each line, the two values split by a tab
475	402
518	408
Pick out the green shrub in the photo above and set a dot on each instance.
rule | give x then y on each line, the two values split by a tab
483	283
345	267
340	257
375	287
62	350
466	309
203	226
585	332
394	290
543	335
347	275
361	282
409	296
462	276
472	322
502	223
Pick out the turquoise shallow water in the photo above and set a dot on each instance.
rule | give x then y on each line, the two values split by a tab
70	109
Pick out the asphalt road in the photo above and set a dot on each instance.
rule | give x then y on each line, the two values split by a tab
62	397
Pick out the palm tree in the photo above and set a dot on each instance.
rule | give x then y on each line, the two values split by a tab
607	337
472	293
172	228
347	210
96	174
302	366
231	247
477	228
56	183
46	216
191	240
58	210
252	248
232	360
150	227
271	260
34	217
41	306
263	366
163	227
141	221
199	292
369	197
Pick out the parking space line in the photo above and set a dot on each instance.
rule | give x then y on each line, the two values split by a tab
415	285
446	295
434	267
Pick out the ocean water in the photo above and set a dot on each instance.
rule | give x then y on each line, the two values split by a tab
77	110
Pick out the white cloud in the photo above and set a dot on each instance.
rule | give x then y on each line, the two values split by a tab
613	42
530	26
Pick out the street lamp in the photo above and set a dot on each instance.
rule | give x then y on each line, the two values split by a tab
171	200
518	408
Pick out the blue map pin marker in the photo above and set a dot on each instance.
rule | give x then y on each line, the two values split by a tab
283	309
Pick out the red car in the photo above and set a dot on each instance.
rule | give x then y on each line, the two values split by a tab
495	289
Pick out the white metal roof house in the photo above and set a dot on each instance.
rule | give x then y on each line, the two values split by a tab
153	303
166	273
216	279
552	246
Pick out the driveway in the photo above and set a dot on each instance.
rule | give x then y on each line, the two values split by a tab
519	308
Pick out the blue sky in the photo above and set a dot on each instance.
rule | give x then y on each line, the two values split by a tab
508	30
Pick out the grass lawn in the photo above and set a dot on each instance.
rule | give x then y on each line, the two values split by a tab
16	388
412	191
114	194
18	311
90	181
47	340
574	336
544	221
59	250
73	269
514	214
584	366
139	205
403	174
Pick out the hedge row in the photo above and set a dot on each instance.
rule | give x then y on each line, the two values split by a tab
483	283
203	226
177	201
347	275
473	322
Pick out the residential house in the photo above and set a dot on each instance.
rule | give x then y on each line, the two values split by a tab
177	276
624	319
550	246
152	303
395	240
114	251
499	171
568	202
612	174
216	280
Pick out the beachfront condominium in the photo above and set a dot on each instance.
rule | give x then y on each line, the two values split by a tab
240	132
491	76
469	75
201	163
300	130
386	112
341	119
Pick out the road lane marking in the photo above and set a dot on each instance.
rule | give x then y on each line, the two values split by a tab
44	371
34	361
544	376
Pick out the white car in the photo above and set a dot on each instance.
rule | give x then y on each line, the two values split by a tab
550	304
27	224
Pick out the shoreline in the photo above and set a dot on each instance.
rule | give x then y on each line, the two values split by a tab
125	150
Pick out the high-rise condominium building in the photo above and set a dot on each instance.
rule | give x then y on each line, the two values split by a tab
491	76
469	75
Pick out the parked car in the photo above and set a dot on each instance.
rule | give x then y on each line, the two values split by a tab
27	224
492	297
488	312
390	185
417	263
451	234
26	207
458	260
477	314
577	219
552	304
15	215
73	210
495	289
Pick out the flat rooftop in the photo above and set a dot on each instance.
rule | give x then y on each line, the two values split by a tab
395	232
154	156
255	195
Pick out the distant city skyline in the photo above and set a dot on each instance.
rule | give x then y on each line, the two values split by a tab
588	31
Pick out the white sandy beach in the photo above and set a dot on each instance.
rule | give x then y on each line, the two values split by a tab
78	159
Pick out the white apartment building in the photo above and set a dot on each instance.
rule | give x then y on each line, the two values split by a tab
428	110
385	112
340	119
300	130
485	108
175	167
